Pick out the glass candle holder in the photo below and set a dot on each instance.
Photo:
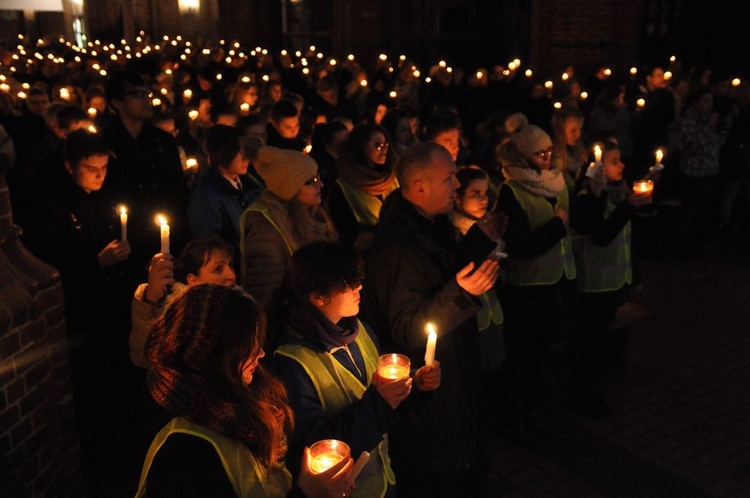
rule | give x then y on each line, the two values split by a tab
327	453
393	366
643	187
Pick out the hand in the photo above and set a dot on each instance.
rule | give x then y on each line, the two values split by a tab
392	391
160	275
427	378
562	213
113	253
638	200
335	482
480	281
597	184
493	225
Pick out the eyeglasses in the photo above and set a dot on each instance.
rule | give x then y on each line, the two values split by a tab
141	94
380	145
353	283
544	154
313	181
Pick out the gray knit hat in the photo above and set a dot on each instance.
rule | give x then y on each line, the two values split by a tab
284	171
530	139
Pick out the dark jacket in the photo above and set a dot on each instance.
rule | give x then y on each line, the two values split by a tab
216	207
274	139
410	280
145	174
362	424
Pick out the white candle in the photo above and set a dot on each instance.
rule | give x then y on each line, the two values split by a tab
429	354
659	156
123	222
597	155
162	221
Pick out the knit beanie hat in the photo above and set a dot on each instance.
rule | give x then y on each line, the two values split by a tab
527	138
284	171
222	145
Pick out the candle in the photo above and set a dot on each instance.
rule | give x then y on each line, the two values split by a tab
643	187
327	453
429	354
640	103
191	163
244	108
193	114
736	82
659	156
91	112
162	221
393	366
597	155
187	94
123	222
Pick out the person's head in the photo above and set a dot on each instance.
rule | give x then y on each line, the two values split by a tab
285	119
471	196
246	93
204	353
71	118
376	108
655	78
37	101
290	175
86	155
567	124
444	129
368	144
398	125
272	91
427	175
530	143
223	113
326	275
225	151
611	98
702	100
128	94
94	97
612	165
50	118
206	260
328	89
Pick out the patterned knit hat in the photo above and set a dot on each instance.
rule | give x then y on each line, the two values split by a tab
284	171
529	139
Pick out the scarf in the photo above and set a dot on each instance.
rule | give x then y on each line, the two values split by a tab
547	183
310	322
373	180
461	221
299	223
617	192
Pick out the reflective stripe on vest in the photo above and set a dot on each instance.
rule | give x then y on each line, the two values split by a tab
248	476
549	267
490	312
604	268
364	207
338	388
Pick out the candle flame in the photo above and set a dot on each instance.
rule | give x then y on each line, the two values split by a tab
191	162
122	209
160	220
430	328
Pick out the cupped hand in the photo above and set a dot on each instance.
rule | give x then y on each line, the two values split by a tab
336	482
392	391
477	282
114	252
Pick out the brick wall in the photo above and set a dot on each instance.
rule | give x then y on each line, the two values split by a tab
38	439
585	33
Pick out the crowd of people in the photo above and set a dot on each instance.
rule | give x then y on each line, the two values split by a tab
320	213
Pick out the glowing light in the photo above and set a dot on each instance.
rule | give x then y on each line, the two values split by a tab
565	76
667	75
584	95
442	64
393	94
548	84
736	82
557	105
363	83
383	57
193	115
673	58
607	72
640	102
633	71
350	57
529	73
156	102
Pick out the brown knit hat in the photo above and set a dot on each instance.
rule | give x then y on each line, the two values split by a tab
530	139
284	171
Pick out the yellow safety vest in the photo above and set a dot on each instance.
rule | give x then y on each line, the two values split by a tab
249	478
490	312
365	207
338	388
603	268
259	207
548	268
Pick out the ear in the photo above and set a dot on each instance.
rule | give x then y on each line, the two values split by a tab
418	186
317	300
192	279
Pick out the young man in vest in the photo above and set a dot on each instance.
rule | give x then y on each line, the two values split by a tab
600	216
418	274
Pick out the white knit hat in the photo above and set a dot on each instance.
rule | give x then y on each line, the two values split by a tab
284	171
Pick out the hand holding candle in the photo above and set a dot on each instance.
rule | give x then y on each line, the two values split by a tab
123	210
327	453
162	222
658	166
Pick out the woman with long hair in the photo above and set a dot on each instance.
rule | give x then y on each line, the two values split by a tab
228	437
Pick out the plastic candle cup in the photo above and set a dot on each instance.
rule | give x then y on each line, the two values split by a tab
393	366
643	187
327	453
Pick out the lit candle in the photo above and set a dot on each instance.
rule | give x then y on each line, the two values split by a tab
736	82
244	108
393	366
193	115
308	148
429	353
659	156
91	112
597	155
643	187
162	221
327	453
640	103
123	222
191	163
187	94
64	93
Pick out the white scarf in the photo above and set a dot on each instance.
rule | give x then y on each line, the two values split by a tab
547	183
